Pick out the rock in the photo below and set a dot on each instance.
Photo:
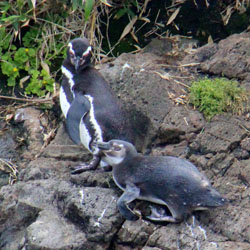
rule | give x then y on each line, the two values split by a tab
7	146
135	232
47	168
93	209
144	93
245	144
63	148
177	150
180	121
174	46
230	57
220	135
15	216
185	236
231	245
150	248
51	231
35	123
234	217
97	178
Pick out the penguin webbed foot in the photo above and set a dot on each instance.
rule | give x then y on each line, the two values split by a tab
86	167
130	194
165	218
106	168
159	214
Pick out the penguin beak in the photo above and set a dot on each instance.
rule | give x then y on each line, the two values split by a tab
77	62
103	145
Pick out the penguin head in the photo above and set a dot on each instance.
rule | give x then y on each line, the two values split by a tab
79	53
116	151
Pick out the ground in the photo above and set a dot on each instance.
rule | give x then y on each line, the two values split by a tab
48	208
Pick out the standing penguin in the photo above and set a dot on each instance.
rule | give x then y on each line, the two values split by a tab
165	180
92	111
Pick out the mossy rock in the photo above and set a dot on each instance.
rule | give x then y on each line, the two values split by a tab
215	96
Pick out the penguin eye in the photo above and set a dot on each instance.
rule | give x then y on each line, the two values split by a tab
116	148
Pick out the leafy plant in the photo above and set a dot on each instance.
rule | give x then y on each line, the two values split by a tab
21	67
215	96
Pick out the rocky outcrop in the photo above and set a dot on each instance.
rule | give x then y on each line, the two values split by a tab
48	208
229	58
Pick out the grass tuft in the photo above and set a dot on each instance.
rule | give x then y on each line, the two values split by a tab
215	96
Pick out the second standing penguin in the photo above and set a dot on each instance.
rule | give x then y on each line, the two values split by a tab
92	111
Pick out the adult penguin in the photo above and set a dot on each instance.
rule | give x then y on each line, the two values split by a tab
92	111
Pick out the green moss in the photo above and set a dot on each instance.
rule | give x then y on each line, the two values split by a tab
216	96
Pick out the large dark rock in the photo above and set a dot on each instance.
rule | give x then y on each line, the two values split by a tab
144	93
222	134
229	58
93	209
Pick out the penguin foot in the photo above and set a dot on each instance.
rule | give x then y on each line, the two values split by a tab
81	168
163	218
159	214
106	168
86	167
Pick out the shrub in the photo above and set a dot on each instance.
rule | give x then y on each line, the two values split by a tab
215	96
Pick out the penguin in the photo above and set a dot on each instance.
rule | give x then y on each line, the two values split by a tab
165	180
91	110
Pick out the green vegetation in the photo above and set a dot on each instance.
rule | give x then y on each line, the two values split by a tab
21	66
215	96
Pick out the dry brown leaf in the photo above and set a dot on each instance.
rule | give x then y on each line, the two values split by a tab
134	36
145	19
210	39
226	17
23	80
106	3
45	67
9	117
26	23
173	16
128	27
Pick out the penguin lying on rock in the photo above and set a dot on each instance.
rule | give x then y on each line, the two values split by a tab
92	111
164	180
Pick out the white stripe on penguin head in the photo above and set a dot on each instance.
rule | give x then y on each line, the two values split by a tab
86	52
71	48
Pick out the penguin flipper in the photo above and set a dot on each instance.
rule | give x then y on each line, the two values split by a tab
131	193
78	109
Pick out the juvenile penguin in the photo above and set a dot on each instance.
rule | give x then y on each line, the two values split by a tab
165	180
93	113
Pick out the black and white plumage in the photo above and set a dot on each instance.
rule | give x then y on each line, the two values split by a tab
170	181
93	113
